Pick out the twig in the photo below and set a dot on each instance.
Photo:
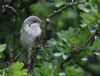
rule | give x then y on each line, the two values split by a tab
55	12
63	8
10	8
90	38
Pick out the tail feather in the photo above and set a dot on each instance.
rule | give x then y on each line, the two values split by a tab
27	59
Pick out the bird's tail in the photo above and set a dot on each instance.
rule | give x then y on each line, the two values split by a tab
27	59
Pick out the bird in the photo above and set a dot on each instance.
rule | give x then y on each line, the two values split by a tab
30	30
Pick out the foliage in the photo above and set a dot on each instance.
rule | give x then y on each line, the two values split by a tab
46	70
66	40
16	69
71	71
71	37
2	47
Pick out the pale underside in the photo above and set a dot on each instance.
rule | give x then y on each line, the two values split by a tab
29	35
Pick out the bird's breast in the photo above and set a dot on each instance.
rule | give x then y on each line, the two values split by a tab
28	36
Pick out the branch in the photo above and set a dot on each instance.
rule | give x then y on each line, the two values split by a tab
90	38
87	67
55	12
77	50
67	5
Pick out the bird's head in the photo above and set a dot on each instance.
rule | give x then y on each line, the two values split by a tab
32	20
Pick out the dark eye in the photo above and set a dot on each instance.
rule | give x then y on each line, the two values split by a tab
35	21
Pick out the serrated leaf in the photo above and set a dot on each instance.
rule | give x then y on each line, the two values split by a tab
17	66
16	69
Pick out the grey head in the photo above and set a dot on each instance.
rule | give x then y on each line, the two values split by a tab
31	19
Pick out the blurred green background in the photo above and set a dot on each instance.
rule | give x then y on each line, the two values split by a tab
67	30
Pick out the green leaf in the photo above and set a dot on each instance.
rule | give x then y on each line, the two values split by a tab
91	16
58	3
17	66
97	42
95	1
88	18
16	69
83	34
46	70
2	47
71	71
82	7
35	72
